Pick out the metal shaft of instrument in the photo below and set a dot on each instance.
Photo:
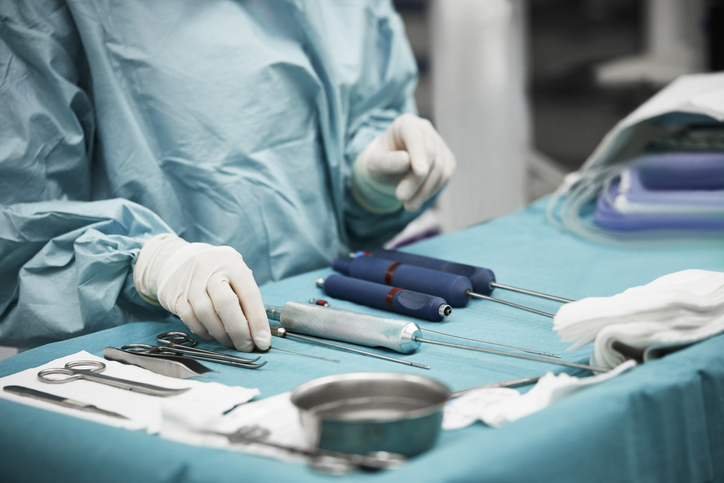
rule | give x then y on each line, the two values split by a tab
505	302
375	460
547	354
523	381
193	351
227	362
519	356
358	351
530	292
303	354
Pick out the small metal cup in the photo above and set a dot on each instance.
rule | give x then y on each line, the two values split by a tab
366	412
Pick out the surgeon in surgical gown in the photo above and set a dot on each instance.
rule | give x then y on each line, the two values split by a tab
163	158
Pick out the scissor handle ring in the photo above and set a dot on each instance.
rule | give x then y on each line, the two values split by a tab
43	375
92	366
180	338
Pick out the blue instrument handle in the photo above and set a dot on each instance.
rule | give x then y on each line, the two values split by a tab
393	299
479	277
453	288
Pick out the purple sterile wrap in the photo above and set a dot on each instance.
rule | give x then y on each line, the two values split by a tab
683	191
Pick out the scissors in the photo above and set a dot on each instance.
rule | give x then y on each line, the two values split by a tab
90	371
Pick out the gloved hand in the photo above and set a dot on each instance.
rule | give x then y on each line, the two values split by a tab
405	165
210	288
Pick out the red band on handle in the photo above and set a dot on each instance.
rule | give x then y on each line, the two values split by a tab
390	272
390	296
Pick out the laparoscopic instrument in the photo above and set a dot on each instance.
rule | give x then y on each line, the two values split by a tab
455	289
90	371
371	331
548	354
393	299
284	333
482	279
60	401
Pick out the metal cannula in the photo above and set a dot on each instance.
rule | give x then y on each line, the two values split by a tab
372	331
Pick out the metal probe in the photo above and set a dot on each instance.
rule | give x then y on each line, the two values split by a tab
324	303
372	331
548	354
520	356
504	302
282	332
304	354
530	292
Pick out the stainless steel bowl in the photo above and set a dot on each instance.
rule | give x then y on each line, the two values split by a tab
365	412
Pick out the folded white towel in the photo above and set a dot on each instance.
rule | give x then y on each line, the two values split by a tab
679	308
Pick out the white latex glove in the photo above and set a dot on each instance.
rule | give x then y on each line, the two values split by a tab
210	288
405	165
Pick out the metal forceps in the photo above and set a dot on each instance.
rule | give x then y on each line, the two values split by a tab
182	343
90	371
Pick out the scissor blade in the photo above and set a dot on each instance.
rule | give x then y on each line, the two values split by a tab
134	386
61	401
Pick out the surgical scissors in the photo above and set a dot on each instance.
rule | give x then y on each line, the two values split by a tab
90	371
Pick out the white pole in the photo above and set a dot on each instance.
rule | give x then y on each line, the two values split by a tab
479	106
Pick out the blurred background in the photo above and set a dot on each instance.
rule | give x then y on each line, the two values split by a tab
523	90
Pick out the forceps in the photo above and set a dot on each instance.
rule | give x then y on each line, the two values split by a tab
89	370
182	343
167	353
321	460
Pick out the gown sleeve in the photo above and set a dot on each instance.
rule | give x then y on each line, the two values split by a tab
384	91
65	260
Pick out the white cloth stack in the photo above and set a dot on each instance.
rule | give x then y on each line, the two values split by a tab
675	310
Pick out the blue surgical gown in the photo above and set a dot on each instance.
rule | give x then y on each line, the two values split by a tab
230	122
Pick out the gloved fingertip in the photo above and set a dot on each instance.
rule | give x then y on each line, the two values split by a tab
205	335
421	170
262	339
262	344
245	346
404	191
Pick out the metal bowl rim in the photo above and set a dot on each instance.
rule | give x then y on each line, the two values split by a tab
371	376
